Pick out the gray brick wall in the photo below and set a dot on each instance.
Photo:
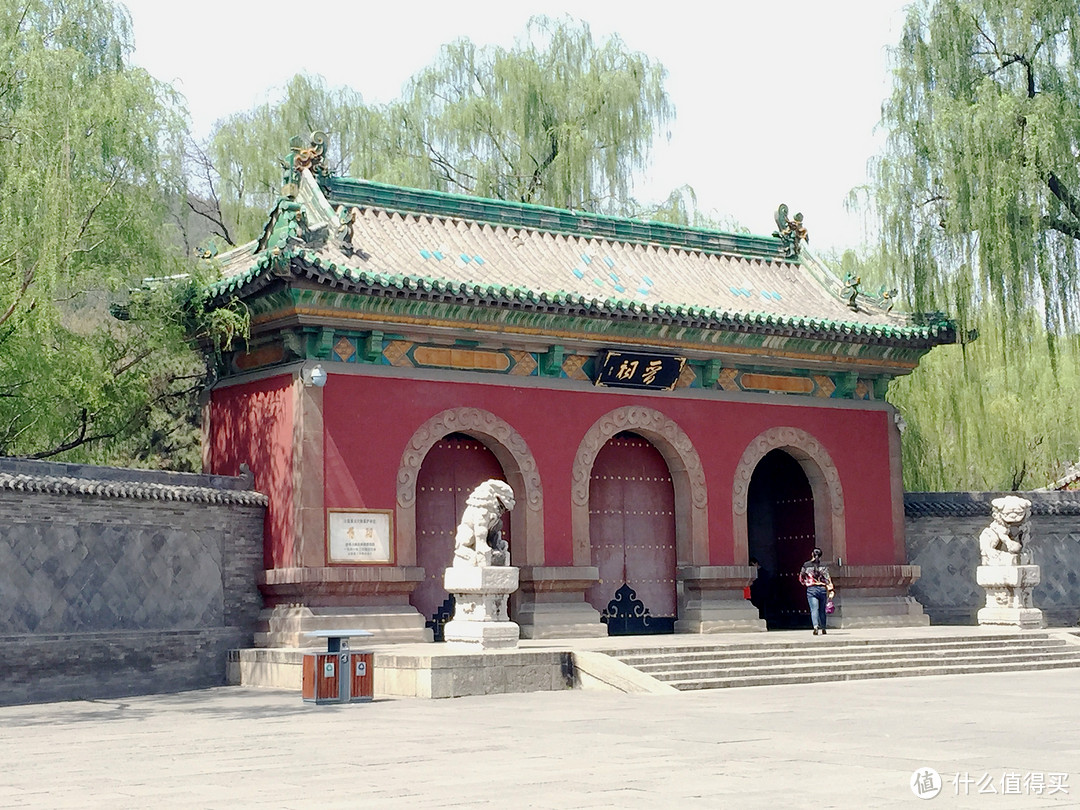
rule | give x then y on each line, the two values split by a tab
942	537
117	582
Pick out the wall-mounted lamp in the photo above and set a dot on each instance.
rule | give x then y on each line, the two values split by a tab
313	376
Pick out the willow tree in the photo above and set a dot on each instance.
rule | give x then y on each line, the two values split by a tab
979	187
236	177
977	423
558	119
89	160
978	194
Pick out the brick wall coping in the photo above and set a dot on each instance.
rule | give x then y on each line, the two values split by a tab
977	504
23	475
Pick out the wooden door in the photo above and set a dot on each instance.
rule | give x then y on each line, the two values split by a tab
632	534
451	470
781	521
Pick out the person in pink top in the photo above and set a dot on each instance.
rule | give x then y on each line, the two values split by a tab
814	574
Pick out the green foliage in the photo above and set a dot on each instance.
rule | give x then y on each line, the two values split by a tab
977	189
559	119
240	169
981	418
89	163
976	194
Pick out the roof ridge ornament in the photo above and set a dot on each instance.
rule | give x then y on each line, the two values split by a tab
303	156
790	232
851	290
346	220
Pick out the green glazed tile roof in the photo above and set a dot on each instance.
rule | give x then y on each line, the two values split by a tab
487	252
366	194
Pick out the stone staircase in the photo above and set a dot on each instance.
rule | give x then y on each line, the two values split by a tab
821	659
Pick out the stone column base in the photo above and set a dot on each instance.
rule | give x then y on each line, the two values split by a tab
551	603
876	596
712	600
1024	618
855	611
720	618
560	620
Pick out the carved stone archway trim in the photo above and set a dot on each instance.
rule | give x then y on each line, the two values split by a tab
513	454
687	477
824	484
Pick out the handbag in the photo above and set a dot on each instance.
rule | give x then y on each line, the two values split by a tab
829	606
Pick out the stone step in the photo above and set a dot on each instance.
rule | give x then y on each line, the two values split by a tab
827	676
803	638
830	660
730	669
818	651
818	660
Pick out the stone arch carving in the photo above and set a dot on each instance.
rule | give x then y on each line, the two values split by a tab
824	481
512	452
687	477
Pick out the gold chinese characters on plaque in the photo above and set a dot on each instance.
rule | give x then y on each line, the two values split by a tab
359	536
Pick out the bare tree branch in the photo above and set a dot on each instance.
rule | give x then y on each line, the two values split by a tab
207	171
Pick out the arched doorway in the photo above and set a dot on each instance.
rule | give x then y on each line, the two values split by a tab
453	467
780	535
632	536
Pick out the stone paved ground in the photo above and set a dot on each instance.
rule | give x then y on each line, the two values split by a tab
844	745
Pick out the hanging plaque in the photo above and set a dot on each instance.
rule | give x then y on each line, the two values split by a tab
639	370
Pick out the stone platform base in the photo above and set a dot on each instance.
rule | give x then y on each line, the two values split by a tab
285	626
440	674
1024	618
485	635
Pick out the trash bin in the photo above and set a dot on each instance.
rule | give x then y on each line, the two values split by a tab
362	687
339	675
322	677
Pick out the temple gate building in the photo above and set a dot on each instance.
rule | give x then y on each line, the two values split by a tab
666	402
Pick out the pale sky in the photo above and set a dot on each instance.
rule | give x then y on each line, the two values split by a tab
775	101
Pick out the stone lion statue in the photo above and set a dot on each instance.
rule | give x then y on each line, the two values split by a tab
1003	541
479	539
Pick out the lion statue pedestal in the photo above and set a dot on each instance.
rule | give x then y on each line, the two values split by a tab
481	578
480	596
1008	596
1006	571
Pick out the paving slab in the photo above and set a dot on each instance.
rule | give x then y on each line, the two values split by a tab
850	744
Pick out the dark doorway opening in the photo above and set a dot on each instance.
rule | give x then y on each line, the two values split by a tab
453	467
780	534
632	534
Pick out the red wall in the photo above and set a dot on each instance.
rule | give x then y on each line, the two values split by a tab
369	421
253	424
